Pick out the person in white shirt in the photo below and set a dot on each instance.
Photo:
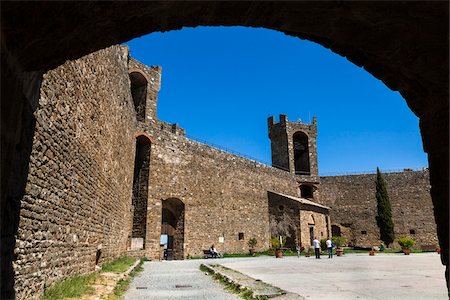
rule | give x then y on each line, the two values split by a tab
316	247
330	248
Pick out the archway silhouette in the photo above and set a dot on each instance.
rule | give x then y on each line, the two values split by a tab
405	45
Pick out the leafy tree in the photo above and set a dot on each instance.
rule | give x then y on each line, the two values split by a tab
384	217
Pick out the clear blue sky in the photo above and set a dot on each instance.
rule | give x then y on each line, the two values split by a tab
221	84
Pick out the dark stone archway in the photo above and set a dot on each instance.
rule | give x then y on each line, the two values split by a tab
404	44
173	226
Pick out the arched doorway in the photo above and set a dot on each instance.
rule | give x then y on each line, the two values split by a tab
172	228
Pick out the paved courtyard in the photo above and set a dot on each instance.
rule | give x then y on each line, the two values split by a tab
180	279
352	276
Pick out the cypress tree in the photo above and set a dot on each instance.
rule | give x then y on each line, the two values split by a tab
384	217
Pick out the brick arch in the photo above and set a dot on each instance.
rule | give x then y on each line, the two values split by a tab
405	45
135	70
144	134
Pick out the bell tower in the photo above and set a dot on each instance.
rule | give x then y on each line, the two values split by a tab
294	150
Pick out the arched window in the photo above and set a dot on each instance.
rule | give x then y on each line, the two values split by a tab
139	94
140	191
301	153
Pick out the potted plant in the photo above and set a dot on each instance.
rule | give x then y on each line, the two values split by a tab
308	252
278	243
372	251
406	244
338	242
251	245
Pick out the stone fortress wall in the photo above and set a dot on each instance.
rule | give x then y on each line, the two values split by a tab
79	185
78	202
224	195
354	207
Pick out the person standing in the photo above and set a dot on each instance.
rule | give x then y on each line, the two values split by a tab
330	248
316	247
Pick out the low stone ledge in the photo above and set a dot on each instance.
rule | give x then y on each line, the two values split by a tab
258	288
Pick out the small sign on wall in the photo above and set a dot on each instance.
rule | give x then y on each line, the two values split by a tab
221	239
137	243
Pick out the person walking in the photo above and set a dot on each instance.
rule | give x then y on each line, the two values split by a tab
317	247
330	248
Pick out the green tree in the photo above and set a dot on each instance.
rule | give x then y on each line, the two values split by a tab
384	217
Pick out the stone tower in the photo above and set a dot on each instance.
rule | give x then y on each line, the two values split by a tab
293	146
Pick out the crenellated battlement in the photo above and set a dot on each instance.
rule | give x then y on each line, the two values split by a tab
283	121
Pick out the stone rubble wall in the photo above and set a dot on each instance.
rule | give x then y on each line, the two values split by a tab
354	206
78	194
284	219
224	194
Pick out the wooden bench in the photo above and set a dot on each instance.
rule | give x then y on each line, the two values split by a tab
208	254
428	247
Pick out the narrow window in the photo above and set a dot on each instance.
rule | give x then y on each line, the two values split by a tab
140	192
97	256
363	232
412	231
241	236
